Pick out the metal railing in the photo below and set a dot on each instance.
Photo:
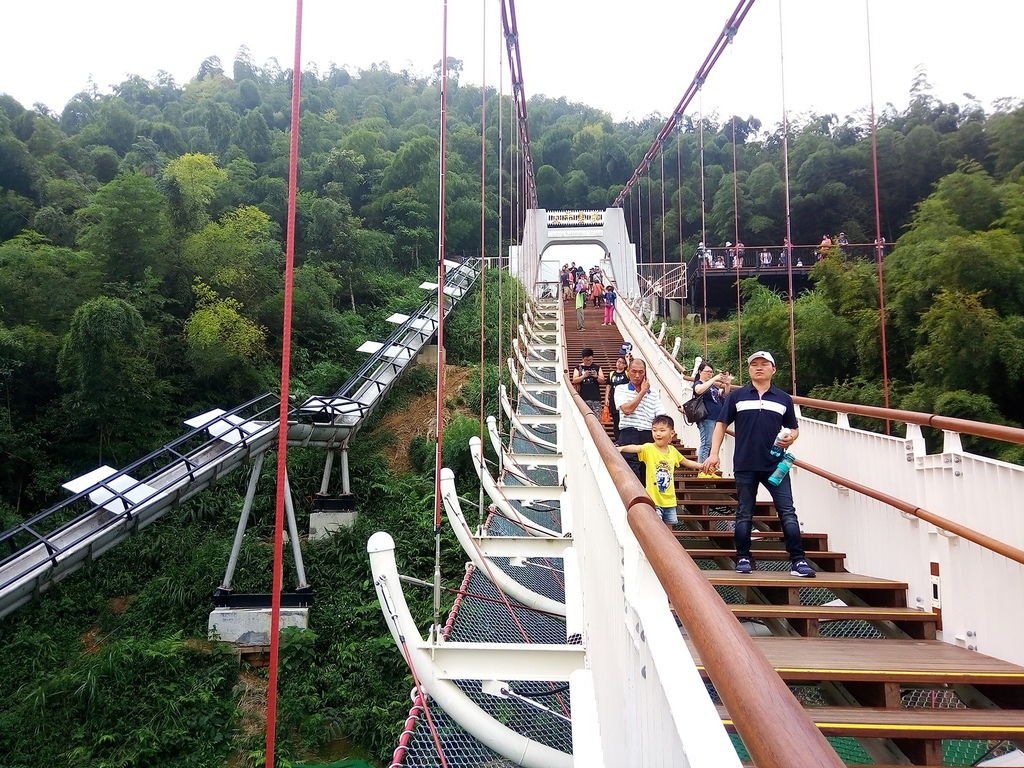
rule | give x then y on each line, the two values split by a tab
60	539
906	514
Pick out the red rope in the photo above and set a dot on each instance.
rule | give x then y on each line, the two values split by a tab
879	242
510	27
501	223
483	221
732	25
640	224
703	226
282	432
650	225
787	249
398	756
664	266
737	260
441	205
439	403
407	655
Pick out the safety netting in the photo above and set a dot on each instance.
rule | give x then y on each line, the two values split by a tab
540	710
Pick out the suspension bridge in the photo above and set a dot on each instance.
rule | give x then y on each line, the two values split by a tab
586	632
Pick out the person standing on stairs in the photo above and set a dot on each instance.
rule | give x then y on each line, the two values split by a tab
610	298
759	411
581	303
589	378
616	378
661	459
638	404
713	387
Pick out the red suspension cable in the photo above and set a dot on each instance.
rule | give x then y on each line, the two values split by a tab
515	63
728	32
703	228
879	241
737	257
282	416
483	218
664	299
650	224
439	402
679	189
789	220
501	230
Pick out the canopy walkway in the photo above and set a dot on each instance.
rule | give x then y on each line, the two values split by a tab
110	504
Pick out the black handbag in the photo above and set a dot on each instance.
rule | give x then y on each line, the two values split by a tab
695	409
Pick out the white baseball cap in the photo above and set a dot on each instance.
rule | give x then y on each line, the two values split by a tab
766	355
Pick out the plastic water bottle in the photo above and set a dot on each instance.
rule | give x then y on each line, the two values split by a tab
783	469
777	449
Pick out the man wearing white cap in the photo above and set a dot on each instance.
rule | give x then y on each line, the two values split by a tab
759	410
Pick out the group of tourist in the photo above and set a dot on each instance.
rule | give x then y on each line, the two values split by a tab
645	435
579	285
733	255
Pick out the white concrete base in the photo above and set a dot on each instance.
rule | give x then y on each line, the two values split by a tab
323	525
251	626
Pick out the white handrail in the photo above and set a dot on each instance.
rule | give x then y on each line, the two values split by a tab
489	731
504	582
510	412
497	496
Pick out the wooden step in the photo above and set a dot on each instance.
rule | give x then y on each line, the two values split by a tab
825	580
811	541
781	588
907	662
826	561
708	483
693	517
686	496
806	619
703	505
879	722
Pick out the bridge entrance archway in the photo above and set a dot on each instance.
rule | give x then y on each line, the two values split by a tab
604	229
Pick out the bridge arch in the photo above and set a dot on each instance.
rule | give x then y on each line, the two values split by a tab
606	229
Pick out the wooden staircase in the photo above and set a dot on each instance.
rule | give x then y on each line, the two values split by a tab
605	340
847	643
853	652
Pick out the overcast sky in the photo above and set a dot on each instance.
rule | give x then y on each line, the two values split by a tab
631	58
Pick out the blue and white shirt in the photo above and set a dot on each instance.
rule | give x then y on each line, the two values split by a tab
758	420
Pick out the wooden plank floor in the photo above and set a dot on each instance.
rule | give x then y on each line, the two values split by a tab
806	619
812	541
905	661
783	579
878	722
829	561
697	521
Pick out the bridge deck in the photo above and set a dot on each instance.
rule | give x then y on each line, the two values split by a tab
905	661
921	723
